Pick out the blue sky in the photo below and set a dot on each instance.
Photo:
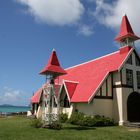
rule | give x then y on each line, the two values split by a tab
79	30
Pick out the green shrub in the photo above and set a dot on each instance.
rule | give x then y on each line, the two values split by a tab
103	121
76	118
63	117
37	123
90	121
55	125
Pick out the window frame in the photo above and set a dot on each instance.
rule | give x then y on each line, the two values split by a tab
129	77
138	79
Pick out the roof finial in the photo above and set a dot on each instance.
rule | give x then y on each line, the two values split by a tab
53	50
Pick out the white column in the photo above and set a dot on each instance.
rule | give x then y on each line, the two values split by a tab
120	105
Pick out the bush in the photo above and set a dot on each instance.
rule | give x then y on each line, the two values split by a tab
55	125
63	117
76	118
82	120
88	121
103	121
37	123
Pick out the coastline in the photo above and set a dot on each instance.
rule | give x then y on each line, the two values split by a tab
13	110
12	114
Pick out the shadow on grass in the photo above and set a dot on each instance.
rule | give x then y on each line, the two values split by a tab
78	128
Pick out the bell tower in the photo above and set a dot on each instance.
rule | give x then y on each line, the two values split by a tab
126	36
52	70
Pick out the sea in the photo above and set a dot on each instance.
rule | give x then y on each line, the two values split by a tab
13	109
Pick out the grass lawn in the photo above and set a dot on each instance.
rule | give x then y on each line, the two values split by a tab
18	128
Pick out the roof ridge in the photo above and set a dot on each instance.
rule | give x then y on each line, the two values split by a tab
75	82
91	60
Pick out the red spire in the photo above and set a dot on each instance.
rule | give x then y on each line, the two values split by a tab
53	59
53	66
126	31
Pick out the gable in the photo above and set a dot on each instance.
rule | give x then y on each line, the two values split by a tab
70	88
132	59
130	71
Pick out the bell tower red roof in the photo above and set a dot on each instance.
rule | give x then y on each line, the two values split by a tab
53	59
126	31
53	67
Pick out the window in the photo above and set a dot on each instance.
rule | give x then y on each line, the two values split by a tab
129	61
129	77
138	79
137	61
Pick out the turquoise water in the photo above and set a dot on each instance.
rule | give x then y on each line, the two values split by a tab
13	109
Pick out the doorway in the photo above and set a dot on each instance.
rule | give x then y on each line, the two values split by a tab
133	107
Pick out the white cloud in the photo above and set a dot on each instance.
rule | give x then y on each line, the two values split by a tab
55	12
14	97
85	30
110	14
69	12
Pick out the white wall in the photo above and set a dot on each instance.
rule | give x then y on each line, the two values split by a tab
96	107
39	112
68	111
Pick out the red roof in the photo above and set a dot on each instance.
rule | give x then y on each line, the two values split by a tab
90	75
53	66
36	97
70	86
126	30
